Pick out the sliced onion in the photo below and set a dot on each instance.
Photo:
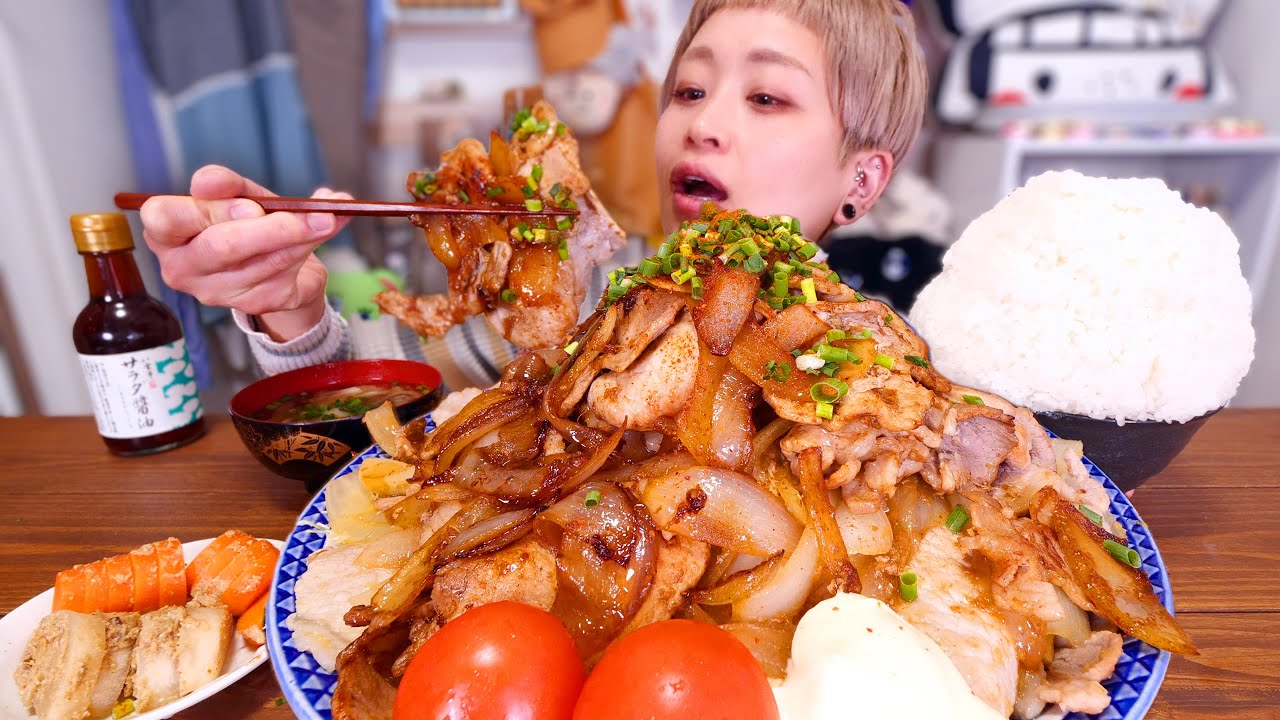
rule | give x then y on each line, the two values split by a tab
518	441
796	327
397	594
731	425
822	517
723	508
383	426
1073	627
444	492
571	383
865	533
725	306
752	353
769	642
477	426
489	535
391	550
740	584
445	432
694	423
784	595
765	443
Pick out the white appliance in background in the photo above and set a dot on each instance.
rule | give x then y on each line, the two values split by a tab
65	151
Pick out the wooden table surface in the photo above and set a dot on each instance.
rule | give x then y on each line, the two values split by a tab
1215	514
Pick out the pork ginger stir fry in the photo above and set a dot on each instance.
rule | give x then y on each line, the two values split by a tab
732	437
527	275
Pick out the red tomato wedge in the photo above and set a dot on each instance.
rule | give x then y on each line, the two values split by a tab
497	661
677	670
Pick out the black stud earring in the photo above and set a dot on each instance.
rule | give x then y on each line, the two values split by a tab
849	210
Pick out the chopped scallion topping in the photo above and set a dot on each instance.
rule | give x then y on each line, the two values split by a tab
494	191
561	128
778	372
884	361
828	391
533	205
593	498
835	334
908	586
466	198
695	287
508	295
536	173
562	249
917	360
888	319
957	519
806	287
859	296
564	224
1093	516
972	399
649	268
1123	553
571	348
863	334
823	410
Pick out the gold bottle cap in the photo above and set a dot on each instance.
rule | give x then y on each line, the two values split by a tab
101	232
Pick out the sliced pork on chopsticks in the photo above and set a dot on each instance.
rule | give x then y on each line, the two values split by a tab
527	276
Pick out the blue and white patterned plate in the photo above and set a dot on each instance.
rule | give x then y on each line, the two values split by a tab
309	688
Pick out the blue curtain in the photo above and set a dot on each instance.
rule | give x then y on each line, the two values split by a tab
212	81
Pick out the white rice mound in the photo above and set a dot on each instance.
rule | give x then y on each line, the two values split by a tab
1099	297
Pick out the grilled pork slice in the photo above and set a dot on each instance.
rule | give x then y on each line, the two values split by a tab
155	659
60	665
203	643
117	666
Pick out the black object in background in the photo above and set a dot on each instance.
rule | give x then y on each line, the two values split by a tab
892	270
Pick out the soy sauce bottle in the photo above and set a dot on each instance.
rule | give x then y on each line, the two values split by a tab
131	348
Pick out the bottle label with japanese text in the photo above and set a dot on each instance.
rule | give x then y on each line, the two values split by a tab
142	393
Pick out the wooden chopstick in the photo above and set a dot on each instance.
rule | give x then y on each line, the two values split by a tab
338	206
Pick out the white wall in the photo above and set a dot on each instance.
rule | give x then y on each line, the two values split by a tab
64	151
1245	39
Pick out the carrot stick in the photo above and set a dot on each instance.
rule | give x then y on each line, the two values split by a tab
69	590
199	565
146	580
253	580
171	572
95	587
251	624
119	576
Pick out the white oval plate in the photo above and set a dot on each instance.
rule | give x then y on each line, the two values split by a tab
17	626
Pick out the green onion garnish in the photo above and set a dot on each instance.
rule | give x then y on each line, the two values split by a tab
957	519
823	410
835	334
806	287
1123	553
536	173
494	191
695	287
648	268
593	498
465	197
777	372
1093	516
561	128
807	250
571	347
888	319
828	391
907	587
754	263
917	360
972	399
508	295
780	285
859	296
533	205
562	248
862	335
884	361
564	224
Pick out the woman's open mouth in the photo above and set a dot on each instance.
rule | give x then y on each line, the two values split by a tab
691	186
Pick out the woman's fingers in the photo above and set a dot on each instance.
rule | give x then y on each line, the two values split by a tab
214	182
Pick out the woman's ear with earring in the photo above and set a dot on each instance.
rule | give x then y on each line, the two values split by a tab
849	211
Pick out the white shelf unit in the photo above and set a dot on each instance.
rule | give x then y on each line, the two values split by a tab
976	171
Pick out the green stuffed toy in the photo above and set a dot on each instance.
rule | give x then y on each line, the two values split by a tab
352	292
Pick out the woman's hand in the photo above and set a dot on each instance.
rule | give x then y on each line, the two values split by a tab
230	253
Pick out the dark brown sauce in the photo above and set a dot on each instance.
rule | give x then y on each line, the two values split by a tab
121	317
